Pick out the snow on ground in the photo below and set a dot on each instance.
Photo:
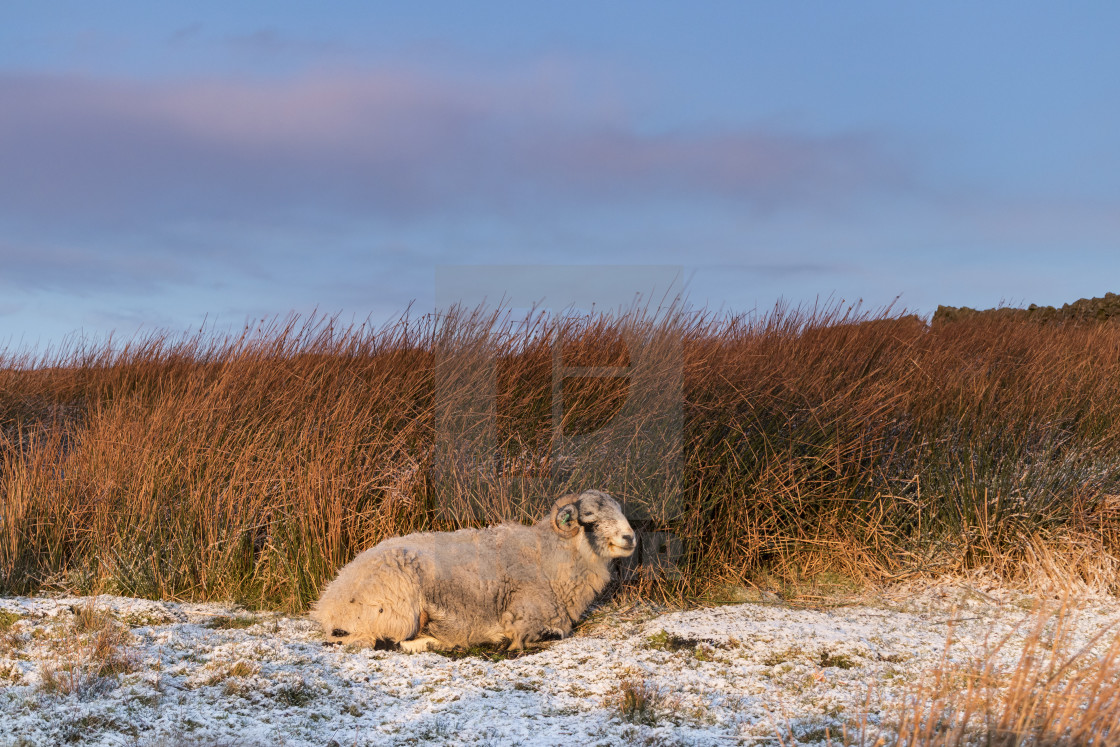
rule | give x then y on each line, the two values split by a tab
117	671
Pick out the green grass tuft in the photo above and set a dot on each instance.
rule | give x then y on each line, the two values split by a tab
236	622
840	661
487	652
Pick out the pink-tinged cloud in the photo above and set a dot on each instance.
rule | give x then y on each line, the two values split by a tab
392	143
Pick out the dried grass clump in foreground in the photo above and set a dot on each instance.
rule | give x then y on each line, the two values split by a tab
791	445
89	654
10	639
1054	693
639	701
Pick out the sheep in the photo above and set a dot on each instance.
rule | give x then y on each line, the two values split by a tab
507	582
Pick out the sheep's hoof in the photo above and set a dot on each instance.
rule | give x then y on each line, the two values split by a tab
418	645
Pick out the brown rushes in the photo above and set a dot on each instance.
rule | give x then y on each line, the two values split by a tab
789	444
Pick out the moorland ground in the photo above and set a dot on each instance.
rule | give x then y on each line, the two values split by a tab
960	661
796	453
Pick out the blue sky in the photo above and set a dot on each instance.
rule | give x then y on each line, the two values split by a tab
165	163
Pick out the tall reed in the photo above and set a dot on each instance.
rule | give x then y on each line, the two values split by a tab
251	467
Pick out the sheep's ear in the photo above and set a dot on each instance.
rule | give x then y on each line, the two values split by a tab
565	516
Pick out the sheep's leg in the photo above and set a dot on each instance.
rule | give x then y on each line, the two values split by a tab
524	622
420	644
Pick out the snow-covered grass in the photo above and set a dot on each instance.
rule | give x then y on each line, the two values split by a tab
119	671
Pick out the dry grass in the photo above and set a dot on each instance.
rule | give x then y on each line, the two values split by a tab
88	656
239	669
1053	693
783	446
10	640
639	701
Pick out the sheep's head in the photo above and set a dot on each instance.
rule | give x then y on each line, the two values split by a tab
600	518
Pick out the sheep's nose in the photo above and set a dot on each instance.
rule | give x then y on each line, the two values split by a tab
628	539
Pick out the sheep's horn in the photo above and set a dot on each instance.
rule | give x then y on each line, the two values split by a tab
565	522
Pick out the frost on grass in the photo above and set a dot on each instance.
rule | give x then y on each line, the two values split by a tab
117	671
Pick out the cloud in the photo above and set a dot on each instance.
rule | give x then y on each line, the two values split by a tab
185	34
383	143
8	308
270	42
29	267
